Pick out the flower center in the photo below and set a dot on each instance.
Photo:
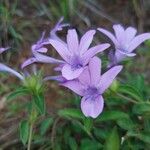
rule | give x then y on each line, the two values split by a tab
92	92
123	48
76	62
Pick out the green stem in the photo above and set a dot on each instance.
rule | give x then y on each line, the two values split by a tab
30	137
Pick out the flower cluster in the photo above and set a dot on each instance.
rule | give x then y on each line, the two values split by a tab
80	68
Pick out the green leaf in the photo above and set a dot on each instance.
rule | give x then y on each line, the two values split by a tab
17	93
113	140
131	91
71	113
144	136
24	131
141	108
126	124
112	115
88	124
101	133
87	144
39	101
73	144
45	125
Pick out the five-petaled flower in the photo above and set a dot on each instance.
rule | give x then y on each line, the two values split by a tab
91	85
125	41
40	46
76	55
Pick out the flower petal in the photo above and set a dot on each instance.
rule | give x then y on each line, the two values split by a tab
127	54
72	41
59	78
95	70
108	77
92	107
42	50
93	51
119	32
75	86
109	34
71	73
28	62
46	59
130	33
84	77
12	71
61	49
86	40
59	68
138	40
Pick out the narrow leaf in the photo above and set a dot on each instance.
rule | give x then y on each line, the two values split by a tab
45	125
71	112
17	93
111	115
113	140
39	101
24	131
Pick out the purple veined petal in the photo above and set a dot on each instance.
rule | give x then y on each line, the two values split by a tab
72	41
28	62
130	33
75	86
5	68
84	77
46	59
71	73
61	49
108	77
85	41
2	49
109	35
92	107
138	40
93	51
95	70
119	32
59	78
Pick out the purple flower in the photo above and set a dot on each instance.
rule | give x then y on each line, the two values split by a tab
125	41
76	55
91	85
39	46
58	27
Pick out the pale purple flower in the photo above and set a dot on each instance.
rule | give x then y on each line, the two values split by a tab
76	54
91	85
125	41
40	46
